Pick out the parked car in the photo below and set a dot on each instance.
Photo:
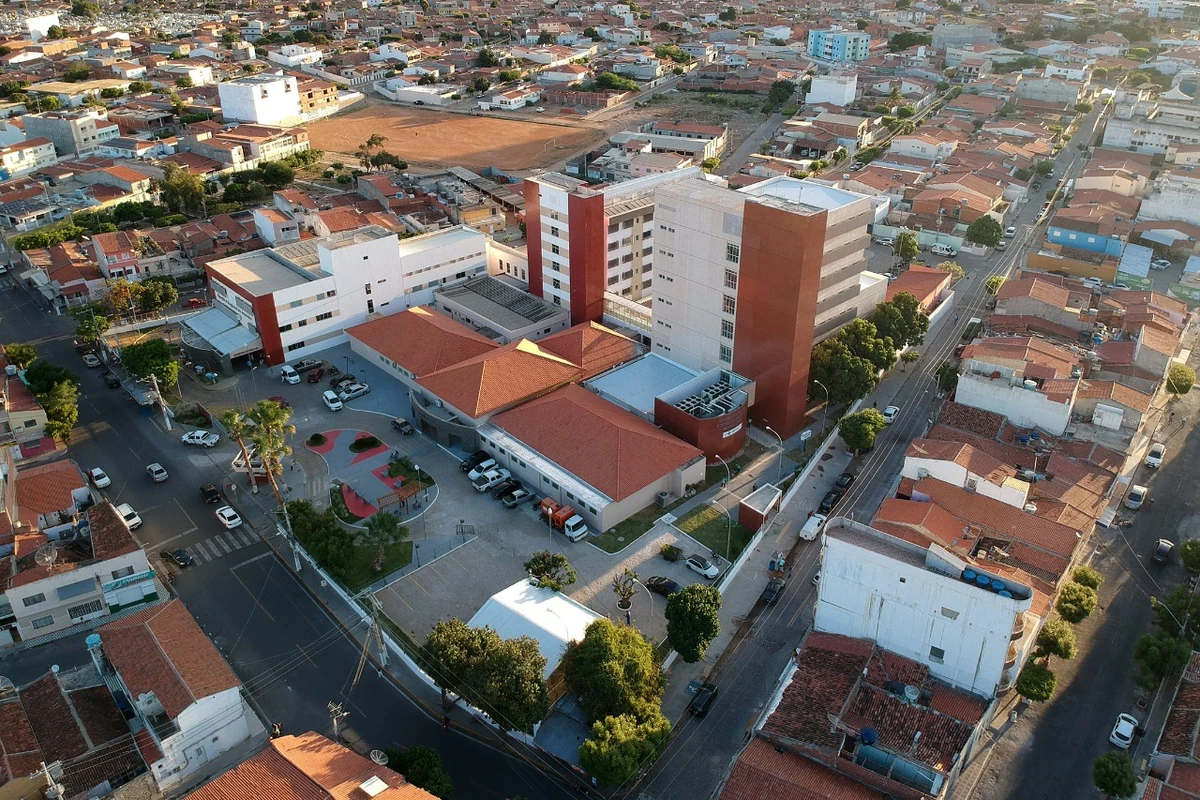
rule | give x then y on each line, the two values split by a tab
195	302
131	517
505	487
474	460
774	589
482	467
490	479
516	497
99	477
1092	283
944	250
156	472
1160	263
179	557
289	375
354	391
210	493
85	346
1123	730
1155	455
341	380
402	425
228	517
700	564
1001	245
110	380
890	413
331	400
844	481
315	376
281	400
1137	496
91	360
885	241
812	527
1010	231
202	438
664	586
306	365
703	700
831	499
1163	550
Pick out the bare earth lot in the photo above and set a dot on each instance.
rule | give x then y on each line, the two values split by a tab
438	139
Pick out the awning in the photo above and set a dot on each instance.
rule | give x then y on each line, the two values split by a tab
219	331
1164	236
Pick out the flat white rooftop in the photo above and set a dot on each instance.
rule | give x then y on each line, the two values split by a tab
430	241
802	192
260	272
637	383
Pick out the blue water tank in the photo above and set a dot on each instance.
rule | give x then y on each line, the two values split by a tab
1005	593
1035	435
997	586
868	736
1023	438
982	581
969	575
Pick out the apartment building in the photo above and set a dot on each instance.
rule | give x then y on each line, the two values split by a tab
23	158
839	45
1143	123
586	242
752	279
266	99
74	133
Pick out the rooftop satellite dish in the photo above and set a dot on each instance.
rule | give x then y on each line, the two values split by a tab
378	756
46	555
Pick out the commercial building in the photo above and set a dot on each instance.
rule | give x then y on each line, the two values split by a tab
1146	123
586	242
297	299
838	45
23	158
500	311
74	133
264	99
750	280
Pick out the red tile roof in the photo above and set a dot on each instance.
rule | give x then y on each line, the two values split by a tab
422	340
987	424
46	488
162	650
19	751
591	346
923	283
110	535
500	379
612	450
761	771
308	767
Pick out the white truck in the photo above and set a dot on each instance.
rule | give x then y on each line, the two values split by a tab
812	527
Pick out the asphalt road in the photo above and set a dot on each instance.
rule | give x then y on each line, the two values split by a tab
292	658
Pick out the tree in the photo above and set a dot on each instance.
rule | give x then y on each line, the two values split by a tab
56	32
383	530
1156	654
487	58
863	340
77	72
185	82
1179	604
42	376
843	375
903	41
693	620
156	294
615	671
152	357
1043	168
238	427
90	321
268	434
1036	681
954	268
909	357
625	586
1189	555
993	284
613	82
1087	577
728	15
182	191
906	248
422	766
546	37
947	377
551	570
278	175
592	34
22	355
62	409
709	164
985	231
1113	775
481	84
80	8
1180	379
862	24
901	320
859	430
620	745
1076	602
1056	638
140	87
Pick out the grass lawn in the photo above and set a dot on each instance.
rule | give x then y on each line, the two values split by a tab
338	504
750	453
362	564
708	525
403	467
621	534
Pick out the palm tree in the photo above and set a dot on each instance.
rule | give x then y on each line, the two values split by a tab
272	425
238	426
383	529
894	96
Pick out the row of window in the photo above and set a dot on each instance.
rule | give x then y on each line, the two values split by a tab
304	322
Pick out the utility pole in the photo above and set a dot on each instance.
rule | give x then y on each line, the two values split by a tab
336	714
376	608
162	403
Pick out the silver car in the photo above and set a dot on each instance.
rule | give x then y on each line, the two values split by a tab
353	391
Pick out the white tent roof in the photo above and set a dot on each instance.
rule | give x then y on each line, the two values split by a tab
552	618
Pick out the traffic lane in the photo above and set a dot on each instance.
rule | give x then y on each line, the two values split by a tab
293	660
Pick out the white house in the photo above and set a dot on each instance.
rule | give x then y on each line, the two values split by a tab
512	100
18	160
962	465
264	99
184	694
836	89
923	146
295	55
924	603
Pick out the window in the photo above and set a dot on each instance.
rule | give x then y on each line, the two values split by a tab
370	306
949	613
612	262
728	305
554	249
285	328
613	227
43	622
730	279
295	346
726	329
937	654
625	259
557	284
613	279
82	610
121	573
726	354
553	231
326	315
33	600
733	252
367	288
613	246
626	275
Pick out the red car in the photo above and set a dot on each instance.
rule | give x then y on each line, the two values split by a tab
315	375
195	302
281	401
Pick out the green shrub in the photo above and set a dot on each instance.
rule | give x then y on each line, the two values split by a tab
364	444
316	440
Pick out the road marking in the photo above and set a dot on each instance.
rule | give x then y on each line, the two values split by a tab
224	545
257	606
258	557
185	514
189	531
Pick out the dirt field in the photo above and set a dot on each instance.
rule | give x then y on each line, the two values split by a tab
440	139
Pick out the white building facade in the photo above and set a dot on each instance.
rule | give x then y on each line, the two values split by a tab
265	99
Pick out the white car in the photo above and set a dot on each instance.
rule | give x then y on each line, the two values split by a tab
130	516
332	401
484	466
99	478
944	250
890	413
353	391
228	517
156	472
540	110
700	564
490	478
1137	496
1010	231
885	241
202	438
1122	732
289	375
1160	263
1093	283
91	360
1154	457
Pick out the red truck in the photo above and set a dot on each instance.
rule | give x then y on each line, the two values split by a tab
563	518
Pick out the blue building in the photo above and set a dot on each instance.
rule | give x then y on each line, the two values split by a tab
838	45
1095	228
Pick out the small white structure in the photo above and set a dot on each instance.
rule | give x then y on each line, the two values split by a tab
265	99
836	89
550	617
39	26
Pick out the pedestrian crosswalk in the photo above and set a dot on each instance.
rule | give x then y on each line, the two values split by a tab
222	544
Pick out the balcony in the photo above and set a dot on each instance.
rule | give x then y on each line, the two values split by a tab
1011	660
1018	628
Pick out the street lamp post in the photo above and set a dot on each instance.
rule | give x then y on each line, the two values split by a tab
648	592
824	408
728	472
728	527
424	527
779	471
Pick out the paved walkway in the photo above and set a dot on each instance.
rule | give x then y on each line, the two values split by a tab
364	475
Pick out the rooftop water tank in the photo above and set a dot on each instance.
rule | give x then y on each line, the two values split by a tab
982	581
969	575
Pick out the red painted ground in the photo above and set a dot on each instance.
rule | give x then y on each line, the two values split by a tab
391	483
38	447
355	505
364	455
330	441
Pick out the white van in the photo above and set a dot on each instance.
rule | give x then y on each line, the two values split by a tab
812	527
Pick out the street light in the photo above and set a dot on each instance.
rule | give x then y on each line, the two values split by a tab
728	527
424	527
728	472
824	408
650	593
767	427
